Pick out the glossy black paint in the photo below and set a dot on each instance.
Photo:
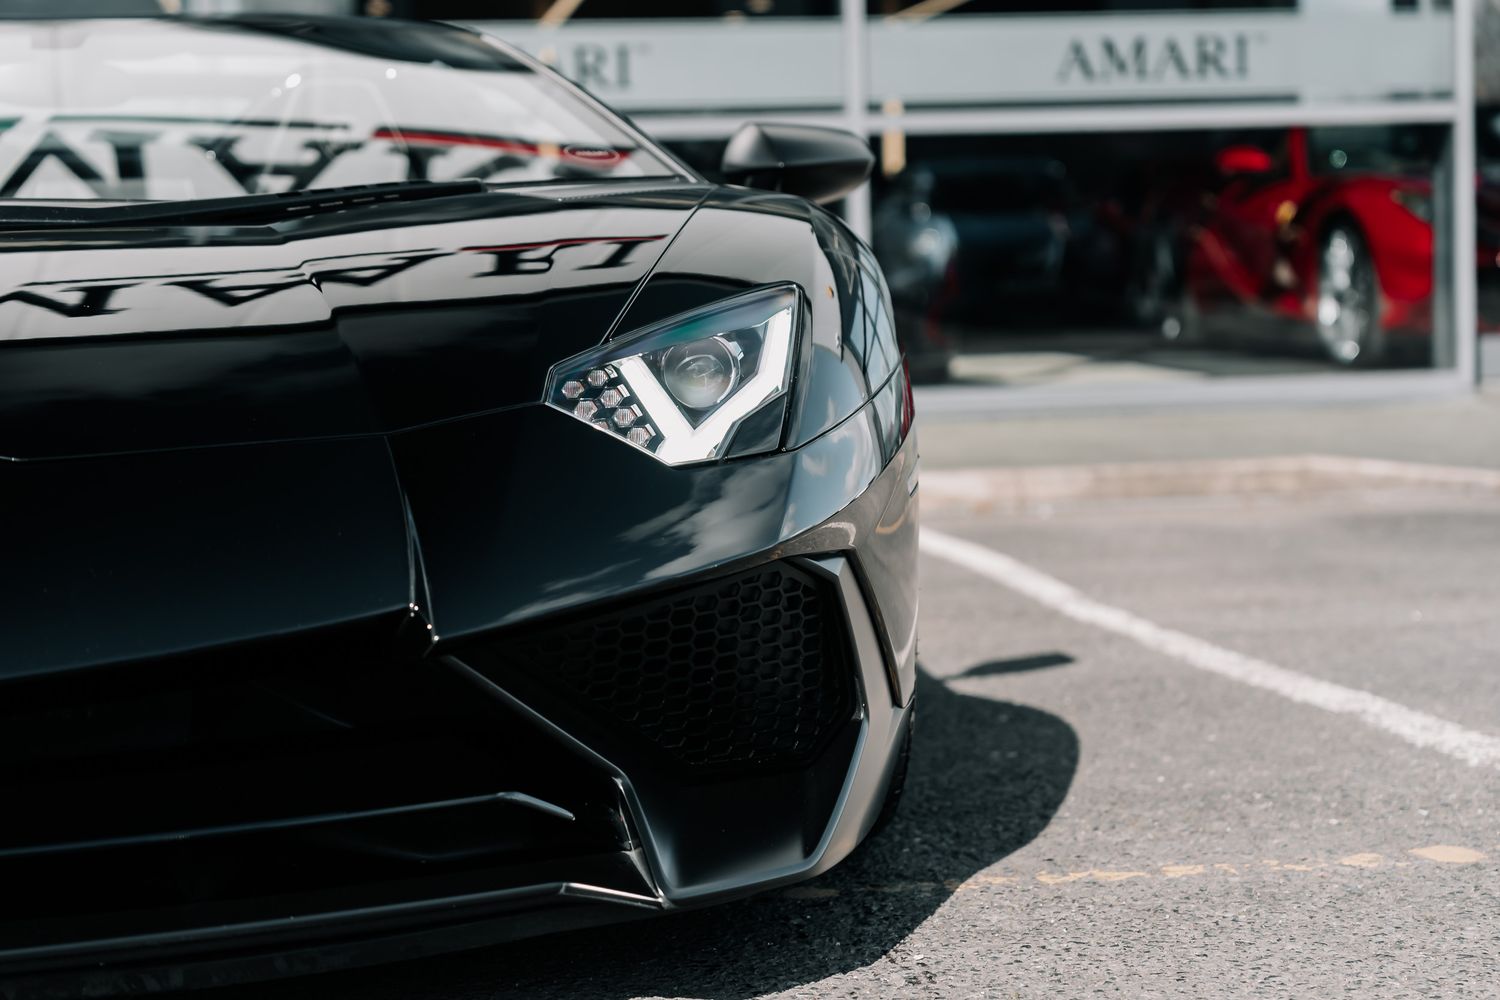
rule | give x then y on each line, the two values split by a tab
137	556
211	435
359	323
819	164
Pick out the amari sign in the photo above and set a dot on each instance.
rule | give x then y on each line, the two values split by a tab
1007	61
1140	59
1279	56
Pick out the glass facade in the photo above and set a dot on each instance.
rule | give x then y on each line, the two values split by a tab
1105	191
1146	256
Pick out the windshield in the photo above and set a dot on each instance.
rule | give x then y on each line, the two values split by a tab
186	110
1392	150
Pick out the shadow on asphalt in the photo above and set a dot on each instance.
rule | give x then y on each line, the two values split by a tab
986	778
1018	664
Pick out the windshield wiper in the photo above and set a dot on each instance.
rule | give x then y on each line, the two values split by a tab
248	209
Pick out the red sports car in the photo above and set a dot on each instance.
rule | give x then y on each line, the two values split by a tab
1323	236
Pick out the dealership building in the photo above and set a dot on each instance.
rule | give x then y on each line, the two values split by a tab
1091	202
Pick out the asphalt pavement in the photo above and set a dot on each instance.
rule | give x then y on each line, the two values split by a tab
1461	430
1190	744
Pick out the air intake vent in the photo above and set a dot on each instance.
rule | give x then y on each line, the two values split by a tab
747	672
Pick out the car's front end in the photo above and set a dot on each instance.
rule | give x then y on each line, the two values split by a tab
391	577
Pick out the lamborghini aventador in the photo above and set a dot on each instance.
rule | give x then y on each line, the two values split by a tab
434	514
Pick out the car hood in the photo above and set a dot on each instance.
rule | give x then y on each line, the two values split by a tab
360	323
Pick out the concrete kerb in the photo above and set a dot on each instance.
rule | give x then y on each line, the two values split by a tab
984	489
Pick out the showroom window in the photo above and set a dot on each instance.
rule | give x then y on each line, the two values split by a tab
1144	257
1117	194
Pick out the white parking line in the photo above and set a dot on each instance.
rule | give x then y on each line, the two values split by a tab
1417	728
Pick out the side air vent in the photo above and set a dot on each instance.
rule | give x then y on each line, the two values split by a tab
748	672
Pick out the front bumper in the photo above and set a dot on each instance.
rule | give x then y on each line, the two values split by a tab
413	801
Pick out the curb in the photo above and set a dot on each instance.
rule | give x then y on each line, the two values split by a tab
1014	488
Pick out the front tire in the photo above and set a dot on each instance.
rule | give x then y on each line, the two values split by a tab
1182	323
1154	287
1348	318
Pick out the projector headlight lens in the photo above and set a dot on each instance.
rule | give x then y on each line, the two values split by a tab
679	390
699	375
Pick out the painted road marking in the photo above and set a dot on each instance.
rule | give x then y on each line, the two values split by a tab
1362	860
1448	854
1417	728
1443	854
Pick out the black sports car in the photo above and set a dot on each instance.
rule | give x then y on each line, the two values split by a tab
433	515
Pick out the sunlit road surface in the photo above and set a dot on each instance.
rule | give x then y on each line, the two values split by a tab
1093	809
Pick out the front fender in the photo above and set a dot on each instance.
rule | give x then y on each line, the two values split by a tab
740	239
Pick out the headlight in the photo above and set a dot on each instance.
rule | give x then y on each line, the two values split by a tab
1418	203
932	245
708	384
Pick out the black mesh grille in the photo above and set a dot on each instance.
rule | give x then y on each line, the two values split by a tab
748	671
312	763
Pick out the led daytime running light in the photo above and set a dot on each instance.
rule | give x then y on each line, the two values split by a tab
679	390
